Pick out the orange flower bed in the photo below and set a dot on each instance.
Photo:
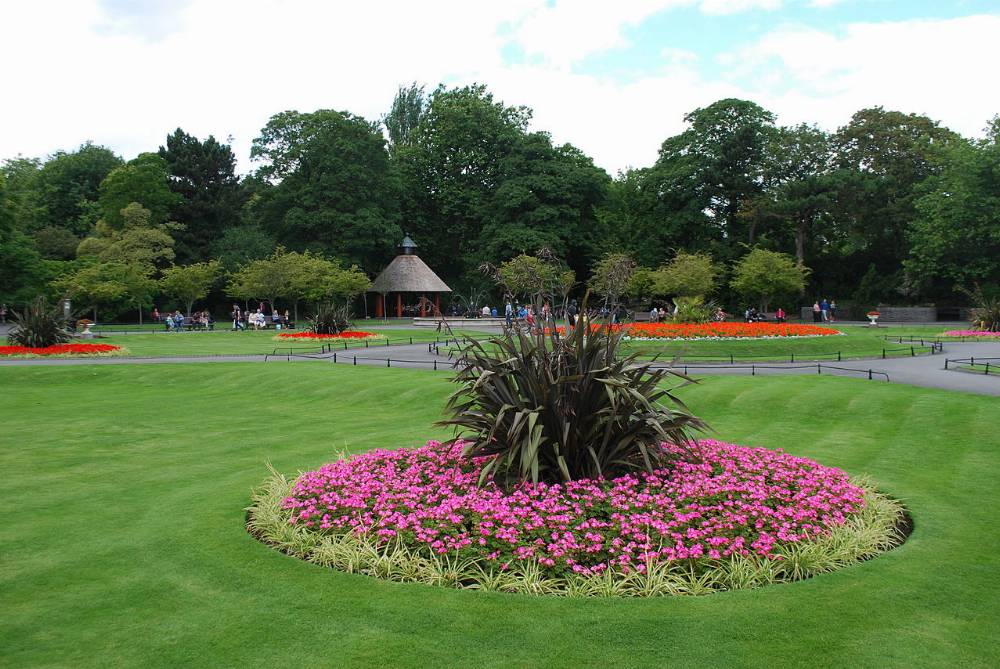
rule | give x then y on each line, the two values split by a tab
312	336
724	330
61	349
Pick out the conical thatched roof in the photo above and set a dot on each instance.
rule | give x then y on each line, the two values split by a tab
408	274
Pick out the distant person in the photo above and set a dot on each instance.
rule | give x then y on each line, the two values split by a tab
824	308
654	315
485	311
817	312
508	314
276	319
286	321
155	315
493	312
571	313
833	310
3	314
530	319
779	315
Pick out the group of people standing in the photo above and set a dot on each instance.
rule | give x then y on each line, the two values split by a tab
524	313
824	311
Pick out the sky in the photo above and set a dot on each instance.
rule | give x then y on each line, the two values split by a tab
613	77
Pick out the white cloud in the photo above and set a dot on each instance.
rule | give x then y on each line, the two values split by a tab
76	72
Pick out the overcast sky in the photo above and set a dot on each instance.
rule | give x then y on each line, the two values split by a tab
612	77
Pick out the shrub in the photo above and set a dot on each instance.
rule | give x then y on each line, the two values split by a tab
38	326
693	310
330	320
558	409
985	314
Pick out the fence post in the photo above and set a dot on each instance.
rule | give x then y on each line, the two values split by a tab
946	363
411	341
355	360
387	342
793	357
883	354
335	356
819	368
388	362
869	375
913	352
987	372
366	343
435	365
972	361
838	356
731	361
753	370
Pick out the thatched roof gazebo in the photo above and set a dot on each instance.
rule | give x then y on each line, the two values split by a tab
407	274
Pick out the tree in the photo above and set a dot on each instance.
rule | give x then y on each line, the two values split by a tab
408	107
96	286
144	180
955	237
317	279
68	186
686	275
21	272
56	243
885	157
265	279
612	277
137	242
530	277
765	276
241	244
203	176
332	189
189	283
451	169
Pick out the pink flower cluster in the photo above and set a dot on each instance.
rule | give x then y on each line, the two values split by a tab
971	333
738	500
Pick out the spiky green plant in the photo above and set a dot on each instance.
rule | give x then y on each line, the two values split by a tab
38	325
330	319
693	309
985	313
553	408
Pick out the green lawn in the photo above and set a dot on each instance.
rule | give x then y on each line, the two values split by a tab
123	543
226	342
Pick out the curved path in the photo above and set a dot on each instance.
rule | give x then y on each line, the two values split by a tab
926	370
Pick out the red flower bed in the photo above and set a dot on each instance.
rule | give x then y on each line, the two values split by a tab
724	330
61	349
346	334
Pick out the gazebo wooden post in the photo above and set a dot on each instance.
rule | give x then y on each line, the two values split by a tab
379	308
437	303
423	306
399	305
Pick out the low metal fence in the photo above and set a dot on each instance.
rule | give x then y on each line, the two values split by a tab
986	365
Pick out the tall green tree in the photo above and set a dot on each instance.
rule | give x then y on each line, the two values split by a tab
21	271
408	108
203	176
68	188
332	189
955	238
451	171
145	180
885	156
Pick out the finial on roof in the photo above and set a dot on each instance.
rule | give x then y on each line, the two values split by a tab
407	246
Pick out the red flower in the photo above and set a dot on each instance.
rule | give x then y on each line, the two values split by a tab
59	349
346	334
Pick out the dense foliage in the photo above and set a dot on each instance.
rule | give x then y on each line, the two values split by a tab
554	409
889	208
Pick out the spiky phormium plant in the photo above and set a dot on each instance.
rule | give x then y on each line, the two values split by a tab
985	313
330	319
38	325
554	408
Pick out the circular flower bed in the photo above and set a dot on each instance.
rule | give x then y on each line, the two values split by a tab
724	330
62	350
741	517
312	336
971	333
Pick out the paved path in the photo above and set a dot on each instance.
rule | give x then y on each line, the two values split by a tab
925	370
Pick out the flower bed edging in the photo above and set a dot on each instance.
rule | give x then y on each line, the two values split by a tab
347	335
